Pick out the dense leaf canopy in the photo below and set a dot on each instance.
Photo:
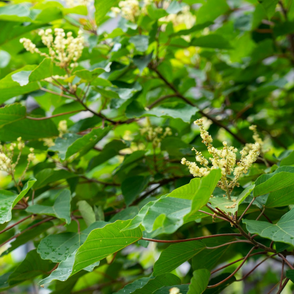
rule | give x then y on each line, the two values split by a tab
108	185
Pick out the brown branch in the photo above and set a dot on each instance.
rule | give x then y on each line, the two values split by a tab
229	243
15	224
234	272
55	115
220	268
286	260
161	99
192	239
246	209
283	286
58	94
33	226
215	121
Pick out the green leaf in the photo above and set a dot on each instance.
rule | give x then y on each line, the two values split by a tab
288	160
155	12
87	212
103	242
156	283
231	206
142	61
222	286
110	150
11	113
176	254
185	113
31	267
101	9
195	28
60	209
175	7
59	247
281	178
141	42
48	176
290	275
212	9
8	200
282	197
131	288
198	190
269	6
64	270
28	235
132	187
199	281
282	231
213	41
71	144
164	290
88	75
18	12
10	88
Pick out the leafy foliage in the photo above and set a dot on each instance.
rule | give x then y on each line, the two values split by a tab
103	188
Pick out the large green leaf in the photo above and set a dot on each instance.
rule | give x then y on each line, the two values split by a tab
8	200
211	9
87	212
64	270
282	231
48	176
211	41
282	197
269	6
110	150
71	144
11	113
150	285
31	267
60	209
131	187
176	254
199	281
185	113
103	242
10	88
231	206
281	178
164	215
59	247
101	9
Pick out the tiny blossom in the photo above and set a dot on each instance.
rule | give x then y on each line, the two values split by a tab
225	159
155	135
72	3
174	290
48	142
64	49
129	9
62	127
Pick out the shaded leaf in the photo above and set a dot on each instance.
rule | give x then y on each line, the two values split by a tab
199	281
87	212
60	209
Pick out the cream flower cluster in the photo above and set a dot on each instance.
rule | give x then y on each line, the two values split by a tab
6	156
64	49
174	290
129	9
155	135
62	127
225	159
73	3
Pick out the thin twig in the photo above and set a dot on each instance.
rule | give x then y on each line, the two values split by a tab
192	239
55	115
234	272
229	243
15	224
246	209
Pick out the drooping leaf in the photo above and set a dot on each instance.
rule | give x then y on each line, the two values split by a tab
231	206
11	113
101	9
87	212
8	200
211	41
59	247
60	209
132	187
281	178
176	254
199	281
31	267
282	231
103	242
